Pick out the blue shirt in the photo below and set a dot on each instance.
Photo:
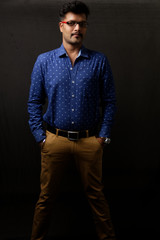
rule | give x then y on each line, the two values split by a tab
74	93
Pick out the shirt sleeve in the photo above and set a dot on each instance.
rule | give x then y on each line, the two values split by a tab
108	99
36	100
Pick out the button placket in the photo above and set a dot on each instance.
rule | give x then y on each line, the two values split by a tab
73	94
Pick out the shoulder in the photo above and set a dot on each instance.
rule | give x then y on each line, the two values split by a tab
43	57
98	58
96	54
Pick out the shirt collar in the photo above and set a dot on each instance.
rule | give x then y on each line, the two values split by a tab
83	52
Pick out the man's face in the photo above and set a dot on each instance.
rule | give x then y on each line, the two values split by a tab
73	35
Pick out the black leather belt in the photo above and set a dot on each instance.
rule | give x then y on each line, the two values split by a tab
71	135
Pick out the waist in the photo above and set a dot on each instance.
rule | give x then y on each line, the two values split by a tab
72	135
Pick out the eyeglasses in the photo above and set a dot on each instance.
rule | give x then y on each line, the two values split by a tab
82	24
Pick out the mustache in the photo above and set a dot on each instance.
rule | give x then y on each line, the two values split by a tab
79	34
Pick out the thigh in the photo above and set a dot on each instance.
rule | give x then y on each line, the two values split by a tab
89	162
55	156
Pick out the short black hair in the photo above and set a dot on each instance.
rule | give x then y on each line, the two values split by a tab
76	7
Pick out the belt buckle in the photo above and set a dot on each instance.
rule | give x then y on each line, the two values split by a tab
71	138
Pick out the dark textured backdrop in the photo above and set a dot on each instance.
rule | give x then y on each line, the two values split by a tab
128	32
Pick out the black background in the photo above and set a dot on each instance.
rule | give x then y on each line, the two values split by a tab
128	32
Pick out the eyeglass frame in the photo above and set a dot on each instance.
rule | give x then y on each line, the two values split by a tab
75	23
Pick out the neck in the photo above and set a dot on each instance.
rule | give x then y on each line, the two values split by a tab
72	49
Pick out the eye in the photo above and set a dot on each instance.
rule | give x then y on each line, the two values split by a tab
83	24
71	23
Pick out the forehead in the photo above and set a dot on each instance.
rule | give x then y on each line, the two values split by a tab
76	17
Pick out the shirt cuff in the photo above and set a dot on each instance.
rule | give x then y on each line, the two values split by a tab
104	132
39	135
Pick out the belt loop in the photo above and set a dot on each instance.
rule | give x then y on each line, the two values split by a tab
57	132
87	133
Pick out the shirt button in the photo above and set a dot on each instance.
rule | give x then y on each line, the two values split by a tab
71	68
72	109
72	95
73	81
72	122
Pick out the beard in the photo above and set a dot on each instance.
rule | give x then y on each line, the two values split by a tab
74	40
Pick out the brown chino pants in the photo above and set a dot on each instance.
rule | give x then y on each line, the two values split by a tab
55	155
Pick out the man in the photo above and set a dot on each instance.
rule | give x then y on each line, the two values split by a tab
75	81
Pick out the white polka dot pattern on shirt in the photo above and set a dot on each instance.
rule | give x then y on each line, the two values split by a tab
74	92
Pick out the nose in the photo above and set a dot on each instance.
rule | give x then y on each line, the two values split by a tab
77	27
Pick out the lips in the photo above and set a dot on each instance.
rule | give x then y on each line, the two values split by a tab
77	34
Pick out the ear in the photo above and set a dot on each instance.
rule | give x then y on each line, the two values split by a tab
60	26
